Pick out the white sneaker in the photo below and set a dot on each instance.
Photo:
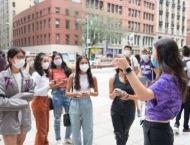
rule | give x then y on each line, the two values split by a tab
176	130
68	141
58	142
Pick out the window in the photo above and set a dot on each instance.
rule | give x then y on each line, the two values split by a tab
36	25
33	27
28	17
101	5
67	12
67	39
14	12
49	10
44	38
45	24
14	4
57	39
108	7
57	23
28	40
120	9
112	8
40	25
76	39
49	38
57	10
36	14
67	24
40	13
76	13
76	25
29	28
49	23
24	29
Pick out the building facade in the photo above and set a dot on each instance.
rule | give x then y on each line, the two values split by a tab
106	15
133	21
8	9
188	25
141	23
51	25
171	20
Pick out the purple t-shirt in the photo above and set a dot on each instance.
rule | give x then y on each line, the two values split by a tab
167	102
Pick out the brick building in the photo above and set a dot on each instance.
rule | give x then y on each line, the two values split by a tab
51	25
55	25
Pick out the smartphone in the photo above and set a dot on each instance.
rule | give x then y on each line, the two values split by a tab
119	92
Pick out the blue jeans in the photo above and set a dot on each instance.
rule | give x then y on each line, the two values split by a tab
81	115
60	101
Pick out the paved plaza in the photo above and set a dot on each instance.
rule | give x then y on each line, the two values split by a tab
103	130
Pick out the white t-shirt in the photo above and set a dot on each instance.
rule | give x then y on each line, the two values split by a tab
18	79
41	84
188	68
134	61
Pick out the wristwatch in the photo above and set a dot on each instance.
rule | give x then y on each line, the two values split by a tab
128	70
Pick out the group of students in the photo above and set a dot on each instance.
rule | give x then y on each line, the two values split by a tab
18	88
72	90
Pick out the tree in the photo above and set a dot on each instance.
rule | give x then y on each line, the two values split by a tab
98	29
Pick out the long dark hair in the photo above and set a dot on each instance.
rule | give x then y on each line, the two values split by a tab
12	53
170	62
64	66
77	85
38	65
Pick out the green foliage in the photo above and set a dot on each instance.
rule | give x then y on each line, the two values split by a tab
100	29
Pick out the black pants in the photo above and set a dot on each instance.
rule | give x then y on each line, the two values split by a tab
123	115
186	108
157	133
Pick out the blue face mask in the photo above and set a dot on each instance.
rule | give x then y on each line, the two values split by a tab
154	62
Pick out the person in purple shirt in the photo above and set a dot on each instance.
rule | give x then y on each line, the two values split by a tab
164	97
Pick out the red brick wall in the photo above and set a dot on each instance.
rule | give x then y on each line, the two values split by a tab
46	11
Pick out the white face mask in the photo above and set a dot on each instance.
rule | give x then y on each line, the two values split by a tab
31	63
19	63
45	65
145	58
127	52
58	62
84	67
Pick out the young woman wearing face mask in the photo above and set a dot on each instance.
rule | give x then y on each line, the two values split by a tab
59	74
15	84
122	112
40	105
164	97
80	87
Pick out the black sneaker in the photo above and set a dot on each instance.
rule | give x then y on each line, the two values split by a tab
186	130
